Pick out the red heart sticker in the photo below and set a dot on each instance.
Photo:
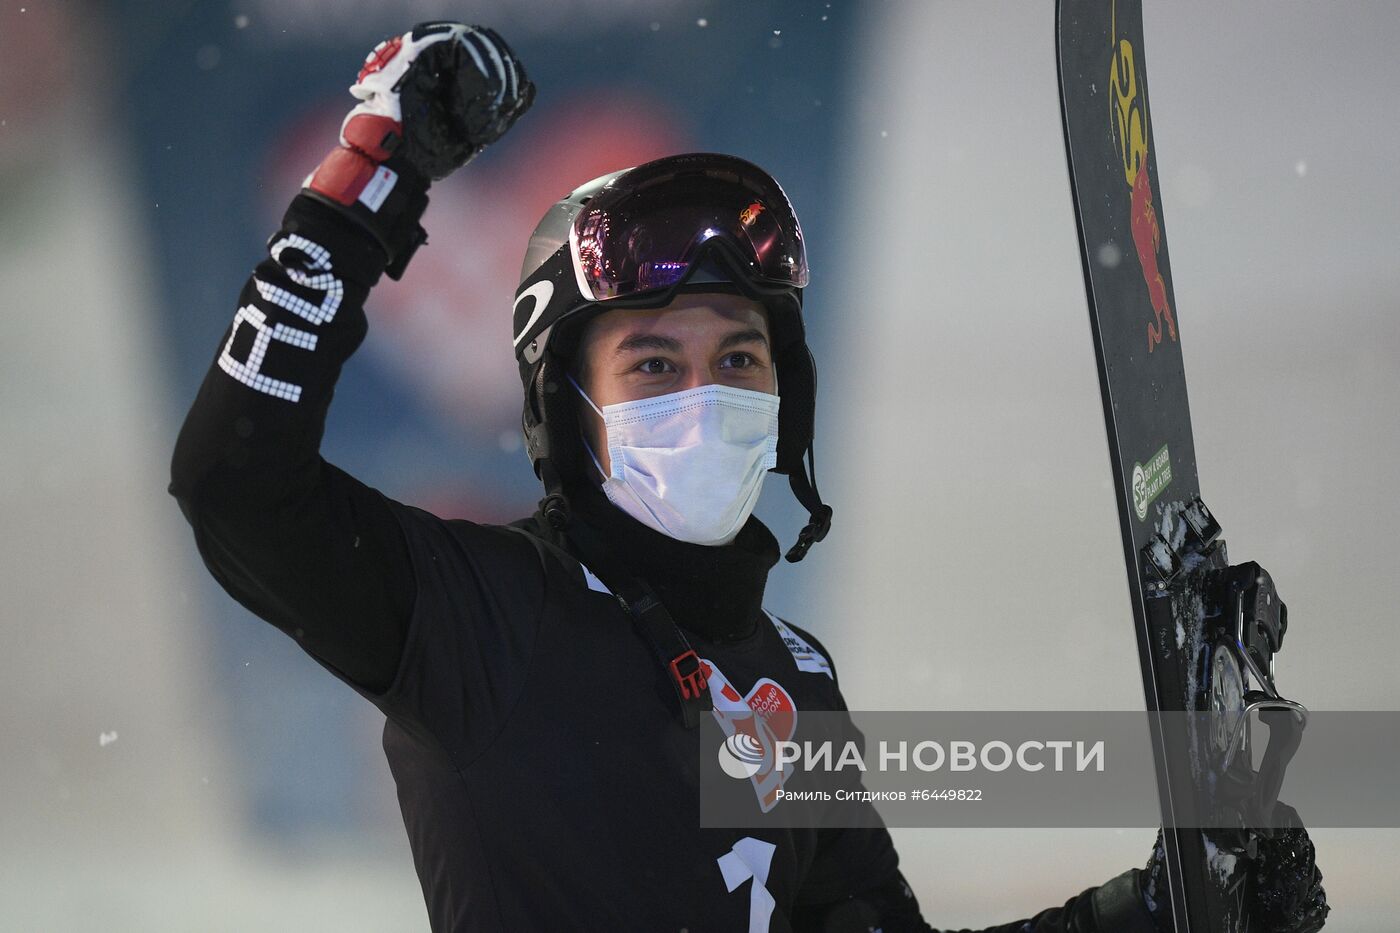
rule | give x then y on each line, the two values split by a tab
766	715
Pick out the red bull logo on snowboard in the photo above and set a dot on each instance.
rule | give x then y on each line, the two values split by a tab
1129	120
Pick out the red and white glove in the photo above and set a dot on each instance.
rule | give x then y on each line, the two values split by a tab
430	101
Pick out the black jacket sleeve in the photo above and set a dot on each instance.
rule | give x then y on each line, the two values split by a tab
291	537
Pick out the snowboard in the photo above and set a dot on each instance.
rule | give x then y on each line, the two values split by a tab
1206	631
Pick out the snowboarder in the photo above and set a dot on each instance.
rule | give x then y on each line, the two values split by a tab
538	678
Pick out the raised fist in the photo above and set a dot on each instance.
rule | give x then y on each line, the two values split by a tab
437	96
430	101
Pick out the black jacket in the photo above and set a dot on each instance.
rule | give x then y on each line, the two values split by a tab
545	779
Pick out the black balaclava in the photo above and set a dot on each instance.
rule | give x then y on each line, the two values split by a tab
715	591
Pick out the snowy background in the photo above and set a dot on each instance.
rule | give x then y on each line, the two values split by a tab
171	763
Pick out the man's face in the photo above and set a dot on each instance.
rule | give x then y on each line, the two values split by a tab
699	339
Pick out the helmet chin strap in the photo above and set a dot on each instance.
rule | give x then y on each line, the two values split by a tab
554	506
804	487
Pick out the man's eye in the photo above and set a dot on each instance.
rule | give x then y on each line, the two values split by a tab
655	366
738	360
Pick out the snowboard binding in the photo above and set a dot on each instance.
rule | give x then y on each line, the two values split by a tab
1249	631
1232	624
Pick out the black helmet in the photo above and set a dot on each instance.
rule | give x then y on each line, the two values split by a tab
634	239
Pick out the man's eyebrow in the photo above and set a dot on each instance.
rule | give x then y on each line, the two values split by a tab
752	335
647	342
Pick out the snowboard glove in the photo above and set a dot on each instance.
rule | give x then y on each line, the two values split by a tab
430	101
1285	884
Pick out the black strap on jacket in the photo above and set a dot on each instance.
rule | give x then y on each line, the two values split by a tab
652	621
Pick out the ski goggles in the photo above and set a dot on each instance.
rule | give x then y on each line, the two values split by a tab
650	228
